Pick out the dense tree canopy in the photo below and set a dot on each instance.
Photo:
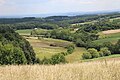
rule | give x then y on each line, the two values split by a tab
21	47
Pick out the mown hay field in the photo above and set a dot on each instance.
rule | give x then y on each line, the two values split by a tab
96	70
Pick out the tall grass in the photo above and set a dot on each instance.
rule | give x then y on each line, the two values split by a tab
100	70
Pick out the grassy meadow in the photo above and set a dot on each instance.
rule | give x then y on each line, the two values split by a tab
112	37
24	32
43	49
99	70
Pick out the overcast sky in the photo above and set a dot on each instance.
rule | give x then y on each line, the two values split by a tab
17	7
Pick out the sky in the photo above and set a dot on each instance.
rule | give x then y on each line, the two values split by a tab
22	7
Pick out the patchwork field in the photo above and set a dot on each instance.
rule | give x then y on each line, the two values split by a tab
43	49
100	70
109	36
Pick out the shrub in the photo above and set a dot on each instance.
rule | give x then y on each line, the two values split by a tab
109	45
101	53
70	49
105	51
57	59
80	43
117	47
93	52
64	53
86	55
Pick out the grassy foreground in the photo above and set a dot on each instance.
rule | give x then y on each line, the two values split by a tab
100	70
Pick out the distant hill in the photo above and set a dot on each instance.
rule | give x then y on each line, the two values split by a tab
59	14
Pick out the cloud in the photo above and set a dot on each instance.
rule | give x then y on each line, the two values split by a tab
8	7
2	2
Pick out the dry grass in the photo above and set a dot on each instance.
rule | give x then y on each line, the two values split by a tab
101	70
111	31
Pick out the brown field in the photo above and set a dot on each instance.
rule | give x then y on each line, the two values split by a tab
100	70
111	31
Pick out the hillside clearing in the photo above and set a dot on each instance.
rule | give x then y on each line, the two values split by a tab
100	70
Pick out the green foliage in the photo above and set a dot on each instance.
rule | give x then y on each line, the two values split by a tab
46	61
93	52
109	45
105	52
8	36
11	55
64	53
70	49
117	47
57	59
86	55
80	43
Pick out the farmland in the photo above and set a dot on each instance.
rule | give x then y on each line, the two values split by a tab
59	40
43	49
109	36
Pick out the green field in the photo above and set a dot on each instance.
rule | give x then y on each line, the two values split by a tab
24	32
43	49
76	55
109	38
28	31
102	58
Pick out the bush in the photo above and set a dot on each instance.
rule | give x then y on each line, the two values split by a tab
109	45
93	52
57	59
117	47
70	49
86	55
101	53
105	51
64	53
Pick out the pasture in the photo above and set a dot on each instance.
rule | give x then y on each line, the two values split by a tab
108	36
